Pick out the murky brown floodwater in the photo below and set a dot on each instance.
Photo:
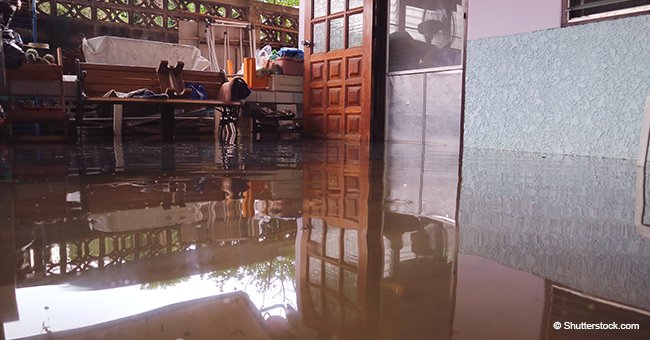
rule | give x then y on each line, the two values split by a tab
316	240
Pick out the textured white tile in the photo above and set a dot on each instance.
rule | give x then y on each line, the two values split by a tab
284	97
266	97
575	90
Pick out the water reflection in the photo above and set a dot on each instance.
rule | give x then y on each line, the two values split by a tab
304	240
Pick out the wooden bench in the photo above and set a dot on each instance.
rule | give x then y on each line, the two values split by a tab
95	80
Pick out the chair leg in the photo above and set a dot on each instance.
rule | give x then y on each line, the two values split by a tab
228	125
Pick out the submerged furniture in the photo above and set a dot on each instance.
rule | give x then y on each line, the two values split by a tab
42	110
96	80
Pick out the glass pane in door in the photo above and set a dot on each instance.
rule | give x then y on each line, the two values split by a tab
332	243
316	234
351	247
320	8
355	30
331	276
314	271
337	6
355	4
319	37
336	34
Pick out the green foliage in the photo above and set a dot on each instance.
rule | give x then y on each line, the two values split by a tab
278	272
264	275
163	284
289	3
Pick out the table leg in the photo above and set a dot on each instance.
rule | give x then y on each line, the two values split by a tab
167	123
118	109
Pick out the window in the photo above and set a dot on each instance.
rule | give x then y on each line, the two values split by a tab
425	34
579	11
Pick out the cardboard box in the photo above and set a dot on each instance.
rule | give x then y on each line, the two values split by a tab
290	67
280	82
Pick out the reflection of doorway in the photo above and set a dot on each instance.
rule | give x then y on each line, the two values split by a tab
335	274
354	283
332	260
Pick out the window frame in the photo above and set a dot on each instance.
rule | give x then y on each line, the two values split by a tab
628	12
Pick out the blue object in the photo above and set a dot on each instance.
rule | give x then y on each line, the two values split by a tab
198	91
34	22
290	52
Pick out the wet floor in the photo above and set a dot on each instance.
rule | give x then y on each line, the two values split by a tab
318	240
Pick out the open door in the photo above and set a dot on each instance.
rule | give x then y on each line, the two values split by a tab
338	61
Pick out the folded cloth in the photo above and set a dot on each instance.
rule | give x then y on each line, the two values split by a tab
139	93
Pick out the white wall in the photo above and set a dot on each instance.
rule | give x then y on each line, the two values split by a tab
577	90
301	24
491	18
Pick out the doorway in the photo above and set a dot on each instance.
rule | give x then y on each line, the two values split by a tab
338	68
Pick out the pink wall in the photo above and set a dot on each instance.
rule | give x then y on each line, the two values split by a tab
491	18
496	302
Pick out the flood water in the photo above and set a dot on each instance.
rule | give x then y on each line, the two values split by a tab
318	240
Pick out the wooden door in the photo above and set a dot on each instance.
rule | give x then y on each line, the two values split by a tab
338	61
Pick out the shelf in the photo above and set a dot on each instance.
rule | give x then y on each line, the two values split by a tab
36	124
36	116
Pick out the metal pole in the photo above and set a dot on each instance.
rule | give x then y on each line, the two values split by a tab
241	44
34	22
254	39
250	41
225	51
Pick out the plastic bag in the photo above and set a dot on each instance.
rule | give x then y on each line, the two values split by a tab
262	56
11	43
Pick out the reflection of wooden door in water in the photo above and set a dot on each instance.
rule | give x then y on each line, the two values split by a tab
333	257
338	68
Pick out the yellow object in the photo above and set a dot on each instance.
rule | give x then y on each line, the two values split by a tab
395	288
251	78
230	67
